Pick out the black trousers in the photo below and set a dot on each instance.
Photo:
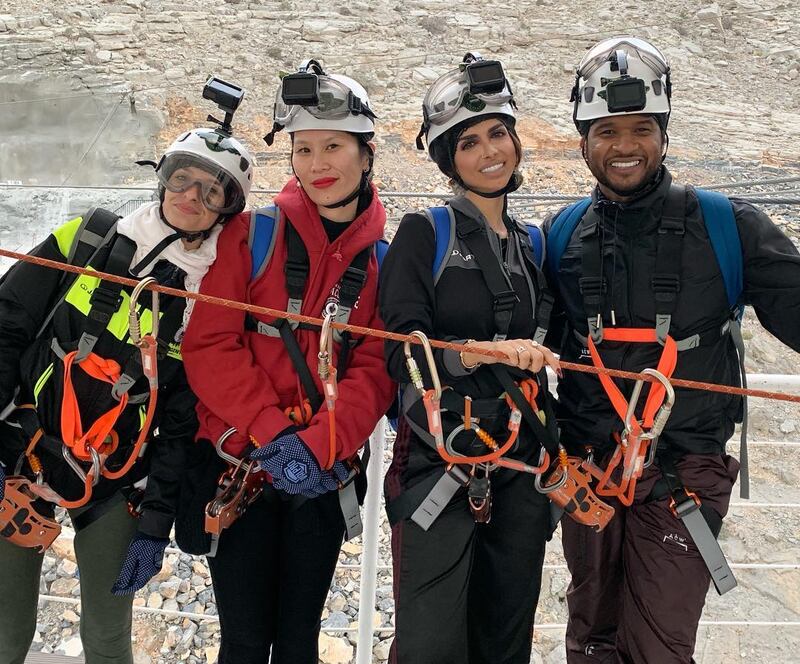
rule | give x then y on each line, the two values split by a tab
466	593
271	576
639	586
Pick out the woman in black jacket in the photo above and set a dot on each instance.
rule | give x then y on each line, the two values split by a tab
84	401
467	559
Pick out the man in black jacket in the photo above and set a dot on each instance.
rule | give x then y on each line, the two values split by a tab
641	257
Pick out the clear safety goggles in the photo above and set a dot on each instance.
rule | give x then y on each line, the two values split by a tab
219	191
481	83
323	97
597	56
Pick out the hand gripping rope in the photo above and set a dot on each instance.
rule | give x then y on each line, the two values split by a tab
327	374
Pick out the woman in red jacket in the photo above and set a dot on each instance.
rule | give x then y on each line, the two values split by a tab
273	566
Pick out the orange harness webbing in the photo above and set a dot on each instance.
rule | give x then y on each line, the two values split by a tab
101	435
631	449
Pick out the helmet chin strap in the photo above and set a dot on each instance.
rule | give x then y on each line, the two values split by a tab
189	236
362	186
511	185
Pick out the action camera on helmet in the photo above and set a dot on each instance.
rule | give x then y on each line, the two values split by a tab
225	95
486	77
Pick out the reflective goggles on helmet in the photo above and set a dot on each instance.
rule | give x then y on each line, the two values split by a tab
601	53
322	96
219	190
476	83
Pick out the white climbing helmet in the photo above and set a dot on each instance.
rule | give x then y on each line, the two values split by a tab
619	76
477	87
218	153
312	99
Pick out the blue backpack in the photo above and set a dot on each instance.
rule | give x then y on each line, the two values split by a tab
264	223
442	226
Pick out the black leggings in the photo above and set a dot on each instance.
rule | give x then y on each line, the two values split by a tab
271	575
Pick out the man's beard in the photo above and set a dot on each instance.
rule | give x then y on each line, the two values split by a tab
631	191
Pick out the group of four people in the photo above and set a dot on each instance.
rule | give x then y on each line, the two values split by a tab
242	402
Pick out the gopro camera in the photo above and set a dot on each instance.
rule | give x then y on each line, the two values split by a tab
486	77
301	89
225	95
625	95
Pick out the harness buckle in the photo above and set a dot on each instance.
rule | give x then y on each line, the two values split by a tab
686	505
505	300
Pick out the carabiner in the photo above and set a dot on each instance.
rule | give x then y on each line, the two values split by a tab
661	417
560	482
413	370
232	460
326	341
72	463
134	324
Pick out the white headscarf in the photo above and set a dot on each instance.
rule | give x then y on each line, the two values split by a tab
145	228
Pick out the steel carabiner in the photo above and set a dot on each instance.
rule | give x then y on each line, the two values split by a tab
134	324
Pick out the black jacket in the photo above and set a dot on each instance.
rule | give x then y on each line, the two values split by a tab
27	295
701	421
455	308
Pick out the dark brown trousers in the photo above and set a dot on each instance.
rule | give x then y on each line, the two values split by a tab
639	586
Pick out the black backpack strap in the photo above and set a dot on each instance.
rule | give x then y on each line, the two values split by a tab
106	298
504	298
666	282
592	283
95	230
94	235
350	286
300	365
296	270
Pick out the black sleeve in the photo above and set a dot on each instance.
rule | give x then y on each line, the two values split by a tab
169	457
408	301
771	273
27	294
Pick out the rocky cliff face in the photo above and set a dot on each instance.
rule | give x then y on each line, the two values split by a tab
736	64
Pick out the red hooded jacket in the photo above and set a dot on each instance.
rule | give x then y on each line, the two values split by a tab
244	379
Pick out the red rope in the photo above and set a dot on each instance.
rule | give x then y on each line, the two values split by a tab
392	336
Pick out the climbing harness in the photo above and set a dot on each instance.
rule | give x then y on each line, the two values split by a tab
636	446
478	481
101	440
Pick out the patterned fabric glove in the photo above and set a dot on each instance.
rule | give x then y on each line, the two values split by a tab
331	478
294	469
143	561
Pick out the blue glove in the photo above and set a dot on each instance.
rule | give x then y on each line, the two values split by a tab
294	469
143	561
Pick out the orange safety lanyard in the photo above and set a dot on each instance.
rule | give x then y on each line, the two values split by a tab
635	446
101	435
